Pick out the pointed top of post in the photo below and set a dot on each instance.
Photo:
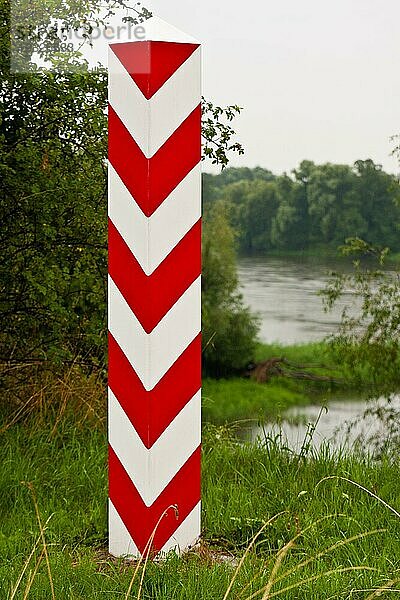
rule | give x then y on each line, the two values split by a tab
152	30
158	30
163	49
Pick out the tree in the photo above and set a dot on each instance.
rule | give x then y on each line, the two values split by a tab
53	149
332	204
290	226
53	213
379	206
259	213
229	329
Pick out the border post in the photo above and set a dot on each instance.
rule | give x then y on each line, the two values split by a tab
154	292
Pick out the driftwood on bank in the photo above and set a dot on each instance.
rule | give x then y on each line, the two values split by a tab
281	367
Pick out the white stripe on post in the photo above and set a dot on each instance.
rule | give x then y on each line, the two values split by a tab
151	355
168	224
152	469
154	292
164	112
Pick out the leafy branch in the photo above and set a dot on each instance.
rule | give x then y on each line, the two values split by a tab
217	132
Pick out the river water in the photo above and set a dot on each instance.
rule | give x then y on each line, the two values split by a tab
284	293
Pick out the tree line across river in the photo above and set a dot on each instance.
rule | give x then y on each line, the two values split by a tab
315	207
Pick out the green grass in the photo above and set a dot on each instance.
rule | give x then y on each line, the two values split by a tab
238	399
311	352
243	486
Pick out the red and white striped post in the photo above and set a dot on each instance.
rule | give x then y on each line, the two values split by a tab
154	291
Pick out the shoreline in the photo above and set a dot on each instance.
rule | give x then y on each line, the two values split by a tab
233	399
229	400
321	253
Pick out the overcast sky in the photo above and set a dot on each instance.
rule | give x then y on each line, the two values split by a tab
317	80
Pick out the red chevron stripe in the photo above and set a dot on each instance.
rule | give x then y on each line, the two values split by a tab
150	181
140	520
151	64
151	296
151	412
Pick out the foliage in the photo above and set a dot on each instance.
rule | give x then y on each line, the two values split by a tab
218	133
53	213
40	30
317	207
396	150
229	329
369	334
53	205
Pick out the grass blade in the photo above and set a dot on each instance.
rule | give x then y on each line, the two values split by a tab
364	489
30	486
146	553
253	541
32	577
279	559
310	579
385	588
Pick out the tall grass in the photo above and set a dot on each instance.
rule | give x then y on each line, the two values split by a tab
290	530
314	526
48	395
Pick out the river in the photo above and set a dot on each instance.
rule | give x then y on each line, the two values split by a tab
284	293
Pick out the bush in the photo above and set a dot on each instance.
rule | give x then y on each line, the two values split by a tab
229	329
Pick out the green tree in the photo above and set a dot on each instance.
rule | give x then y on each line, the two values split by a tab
317	207
53	213
53	206
259	214
368	342
333	206
379	193
234	196
229	329
289	229
236	174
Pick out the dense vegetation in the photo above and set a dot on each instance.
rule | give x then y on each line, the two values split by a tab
329	540
53	211
228	327
316	207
